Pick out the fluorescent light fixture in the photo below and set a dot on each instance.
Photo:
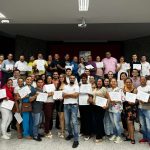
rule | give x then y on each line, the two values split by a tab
83	5
5	21
2	15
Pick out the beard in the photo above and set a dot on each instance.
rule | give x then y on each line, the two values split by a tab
71	82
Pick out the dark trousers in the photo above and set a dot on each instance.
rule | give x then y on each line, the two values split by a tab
86	120
99	113
48	113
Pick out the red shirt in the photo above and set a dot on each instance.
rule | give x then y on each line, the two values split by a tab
9	92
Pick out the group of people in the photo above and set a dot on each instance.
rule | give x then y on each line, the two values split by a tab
85	90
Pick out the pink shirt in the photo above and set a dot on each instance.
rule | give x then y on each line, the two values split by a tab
110	64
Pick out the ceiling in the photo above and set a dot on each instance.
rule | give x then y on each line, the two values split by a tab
108	20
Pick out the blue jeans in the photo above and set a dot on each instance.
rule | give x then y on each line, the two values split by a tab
37	120
27	124
144	116
115	119
71	120
108	124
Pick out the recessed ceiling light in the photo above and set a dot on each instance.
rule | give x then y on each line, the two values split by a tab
2	15
83	5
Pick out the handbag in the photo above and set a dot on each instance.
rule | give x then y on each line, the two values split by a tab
26	107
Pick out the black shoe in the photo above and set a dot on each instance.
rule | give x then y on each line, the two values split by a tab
75	144
69	137
37	139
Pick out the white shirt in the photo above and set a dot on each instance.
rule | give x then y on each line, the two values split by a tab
145	69
71	90
22	66
16	89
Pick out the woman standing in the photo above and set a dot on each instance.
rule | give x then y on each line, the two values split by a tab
99	70
99	112
48	107
130	110
115	112
27	115
60	106
81	66
6	113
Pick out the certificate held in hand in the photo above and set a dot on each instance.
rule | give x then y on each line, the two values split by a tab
8	104
142	96
130	97
83	99
86	88
2	93
57	95
18	117
24	91
42	97
115	96
89	67
49	88
100	101
137	66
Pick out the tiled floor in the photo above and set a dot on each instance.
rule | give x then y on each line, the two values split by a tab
60	144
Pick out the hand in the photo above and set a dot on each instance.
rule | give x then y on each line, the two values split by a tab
131	103
18	111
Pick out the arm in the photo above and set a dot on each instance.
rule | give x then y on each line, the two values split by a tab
74	95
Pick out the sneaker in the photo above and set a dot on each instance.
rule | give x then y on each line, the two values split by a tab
75	144
97	141
8	134
59	133
112	138
87	138
143	141
5	137
80	134
62	136
69	137
37	139
118	140
49	135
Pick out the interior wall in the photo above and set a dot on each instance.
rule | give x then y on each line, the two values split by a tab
29	47
95	48
140	46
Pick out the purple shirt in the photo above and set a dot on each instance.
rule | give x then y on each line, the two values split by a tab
92	72
110	64
136	82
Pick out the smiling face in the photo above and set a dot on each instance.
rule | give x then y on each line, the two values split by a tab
29	81
128	83
99	83
113	83
9	83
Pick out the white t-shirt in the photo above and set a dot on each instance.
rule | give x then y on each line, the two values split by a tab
145	89
71	90
16	89
145	69
22	66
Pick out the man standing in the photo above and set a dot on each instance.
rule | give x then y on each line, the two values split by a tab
110	64
22	66
70	95
7	67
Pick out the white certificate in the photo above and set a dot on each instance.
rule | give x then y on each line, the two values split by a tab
120	84
130	97
99	64
70	67
29	68
8	104
86	88
89	67
100	101
40	65
24	91
115	96
2	93
9	67
15	83
142	96
57	95
137	66
22	67
18	117
83	99
126	66
49	88
42	97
